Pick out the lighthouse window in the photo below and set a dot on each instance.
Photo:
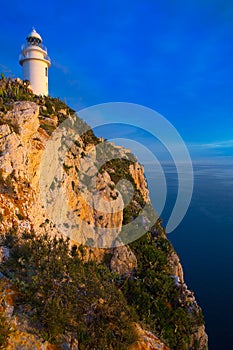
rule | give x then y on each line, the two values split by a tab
46	71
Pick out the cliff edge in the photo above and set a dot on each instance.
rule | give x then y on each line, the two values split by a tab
72	277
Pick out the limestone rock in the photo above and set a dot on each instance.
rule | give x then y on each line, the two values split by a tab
123	261
176	267
24	118
4	130
147	341
137	172
4	253
200	337
20	340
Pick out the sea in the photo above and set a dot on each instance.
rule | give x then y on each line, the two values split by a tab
204	241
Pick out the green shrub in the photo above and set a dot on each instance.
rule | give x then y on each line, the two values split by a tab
65	294
5	327
5	330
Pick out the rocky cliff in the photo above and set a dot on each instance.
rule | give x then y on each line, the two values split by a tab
58	179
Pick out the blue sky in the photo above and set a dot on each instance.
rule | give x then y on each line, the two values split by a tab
172	56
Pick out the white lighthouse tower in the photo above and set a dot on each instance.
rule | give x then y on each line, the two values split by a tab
35	62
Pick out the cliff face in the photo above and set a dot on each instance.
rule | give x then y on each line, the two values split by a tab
70	193
23	145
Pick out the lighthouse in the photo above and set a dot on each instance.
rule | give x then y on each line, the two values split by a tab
35	62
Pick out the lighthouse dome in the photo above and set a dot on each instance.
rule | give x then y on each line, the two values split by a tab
33	36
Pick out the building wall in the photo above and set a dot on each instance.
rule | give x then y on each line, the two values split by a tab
36	71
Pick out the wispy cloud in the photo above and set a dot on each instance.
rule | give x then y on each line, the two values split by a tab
222	148
213	145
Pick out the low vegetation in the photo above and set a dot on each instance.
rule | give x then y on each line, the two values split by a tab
62	294
5	327
154	295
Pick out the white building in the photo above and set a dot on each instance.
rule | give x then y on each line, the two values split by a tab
35	62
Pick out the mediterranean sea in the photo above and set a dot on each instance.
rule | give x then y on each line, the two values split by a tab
204	242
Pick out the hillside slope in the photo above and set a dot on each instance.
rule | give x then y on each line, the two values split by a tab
73	276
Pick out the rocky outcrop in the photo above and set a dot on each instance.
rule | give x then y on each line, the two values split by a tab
84	206
147	341
26	341
176	268
123	261
199	337
137	172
